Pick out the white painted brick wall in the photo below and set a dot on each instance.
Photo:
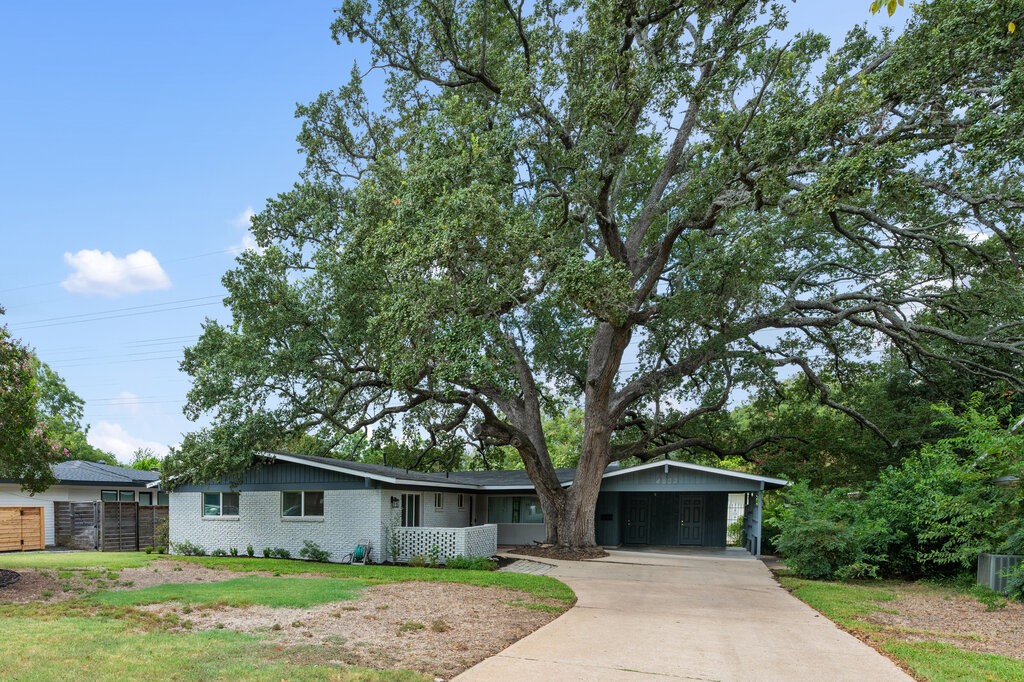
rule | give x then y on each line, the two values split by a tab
350	516
449	516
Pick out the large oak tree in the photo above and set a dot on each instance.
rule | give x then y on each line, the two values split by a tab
637	208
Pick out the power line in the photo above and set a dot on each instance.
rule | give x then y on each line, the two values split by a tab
137	313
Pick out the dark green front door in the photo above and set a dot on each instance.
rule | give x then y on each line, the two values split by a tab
691	520
638	518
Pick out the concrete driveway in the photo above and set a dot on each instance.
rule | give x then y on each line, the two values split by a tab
690	615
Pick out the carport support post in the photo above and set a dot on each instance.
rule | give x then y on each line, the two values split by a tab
760	495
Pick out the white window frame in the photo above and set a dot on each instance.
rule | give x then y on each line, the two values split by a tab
438	500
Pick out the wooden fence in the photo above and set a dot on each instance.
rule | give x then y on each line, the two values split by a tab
22	528
106	526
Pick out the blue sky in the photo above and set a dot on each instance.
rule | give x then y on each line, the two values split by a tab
135	140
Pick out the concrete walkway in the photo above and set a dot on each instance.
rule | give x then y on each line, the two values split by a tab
690	616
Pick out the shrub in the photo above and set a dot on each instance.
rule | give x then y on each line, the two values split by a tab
434	556
250	551
161	535
149	550
825	533
313	552
472	563
417	561
233	551
188	548
735	533
281	553
267	552
161	550
218	552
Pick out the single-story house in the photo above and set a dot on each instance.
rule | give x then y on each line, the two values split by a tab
81	481
288	499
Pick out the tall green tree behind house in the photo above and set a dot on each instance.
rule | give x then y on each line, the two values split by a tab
634	208
62	410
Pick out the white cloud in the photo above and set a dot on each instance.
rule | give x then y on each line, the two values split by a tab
243	221
113	438
103	273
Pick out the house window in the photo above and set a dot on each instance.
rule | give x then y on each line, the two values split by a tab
108	495
461	501
438	500
517	509
410	510
302	503
146	499
163	498
220	504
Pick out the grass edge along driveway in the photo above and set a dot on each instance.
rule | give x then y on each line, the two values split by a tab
847	604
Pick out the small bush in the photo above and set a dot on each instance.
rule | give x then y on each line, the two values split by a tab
313	552
188	549
219	552
250	551
434	556
440	626
149	550
417	561
267	552
281	553
162	535
472	563
161	549
233	551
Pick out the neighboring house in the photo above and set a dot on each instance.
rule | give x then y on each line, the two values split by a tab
288	499
80	481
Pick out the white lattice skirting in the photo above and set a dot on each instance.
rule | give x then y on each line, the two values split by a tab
451	542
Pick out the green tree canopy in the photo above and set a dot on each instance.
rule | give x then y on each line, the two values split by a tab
631	208
27	448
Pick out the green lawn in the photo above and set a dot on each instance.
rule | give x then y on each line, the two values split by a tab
102	636
106	649
246	591
539	586
848	603
64	560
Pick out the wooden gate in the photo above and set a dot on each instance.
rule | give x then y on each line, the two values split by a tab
22	528
107	526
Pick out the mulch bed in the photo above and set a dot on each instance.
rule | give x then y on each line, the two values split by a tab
556	552
8	577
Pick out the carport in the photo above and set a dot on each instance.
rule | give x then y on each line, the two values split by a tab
678	503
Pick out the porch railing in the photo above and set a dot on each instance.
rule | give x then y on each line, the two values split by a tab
450	542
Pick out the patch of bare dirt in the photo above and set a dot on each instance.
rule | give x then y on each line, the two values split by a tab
557	552
163	572
31	586
436	628
53	585
933	614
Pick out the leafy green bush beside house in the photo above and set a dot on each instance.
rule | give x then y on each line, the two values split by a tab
931	516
